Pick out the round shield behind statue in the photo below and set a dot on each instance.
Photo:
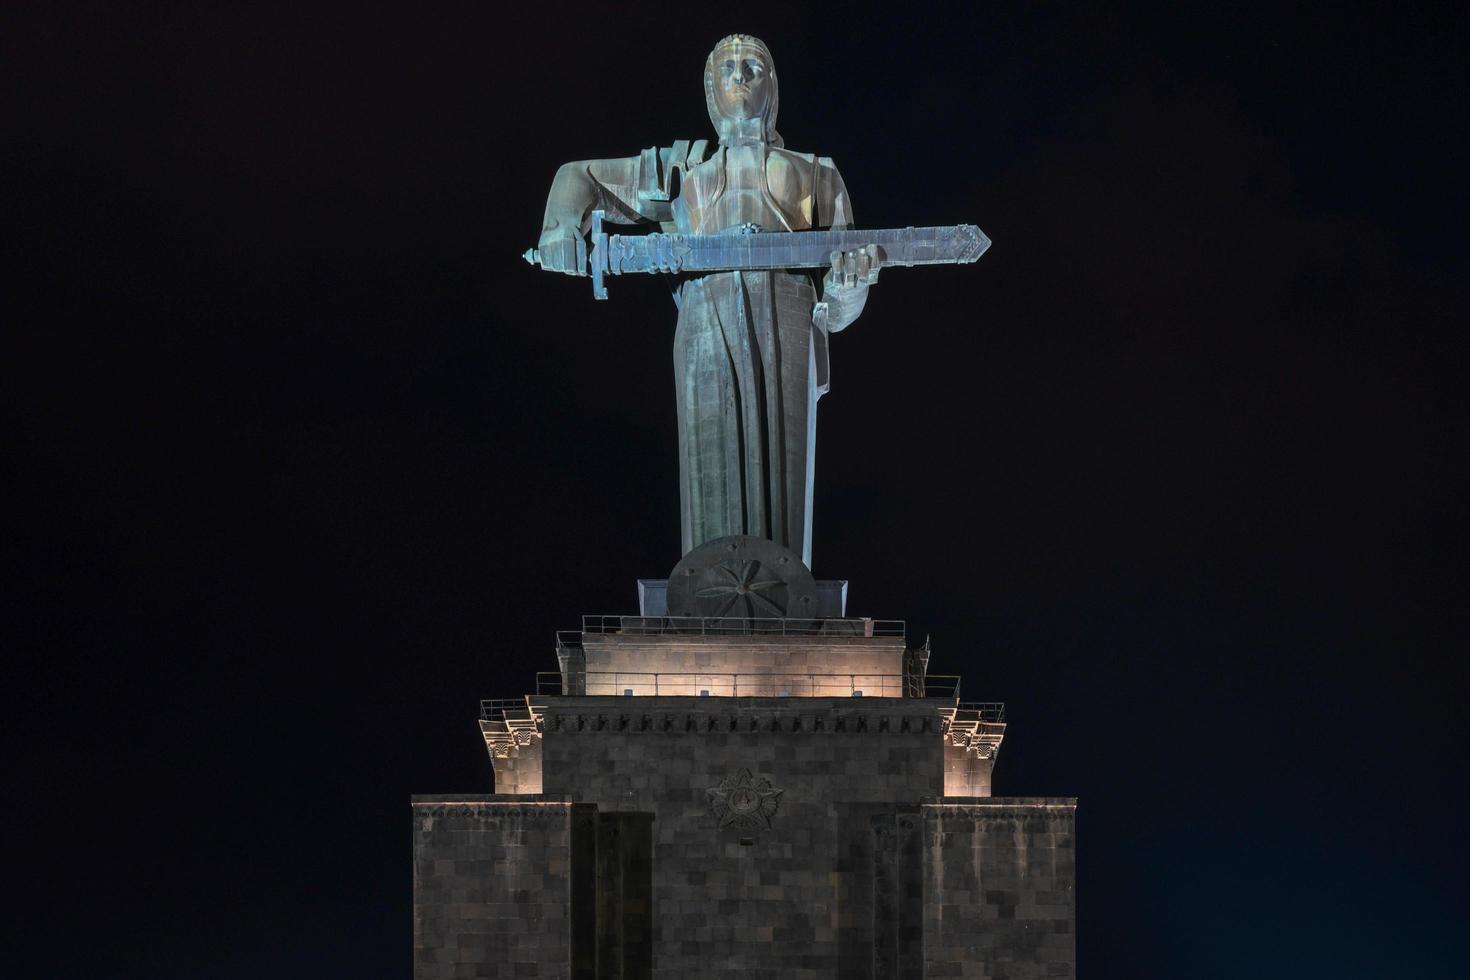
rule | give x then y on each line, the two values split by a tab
742	577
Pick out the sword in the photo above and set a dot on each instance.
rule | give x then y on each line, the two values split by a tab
747	247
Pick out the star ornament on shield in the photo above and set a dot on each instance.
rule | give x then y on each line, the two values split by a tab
744	802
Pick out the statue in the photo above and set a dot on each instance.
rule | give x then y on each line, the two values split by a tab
750	346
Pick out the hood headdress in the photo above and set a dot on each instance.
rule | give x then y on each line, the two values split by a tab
725	125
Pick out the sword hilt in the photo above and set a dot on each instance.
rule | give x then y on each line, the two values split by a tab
594	265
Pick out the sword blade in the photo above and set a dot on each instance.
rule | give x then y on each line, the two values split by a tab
944	245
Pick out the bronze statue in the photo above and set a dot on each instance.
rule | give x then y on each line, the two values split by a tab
750	347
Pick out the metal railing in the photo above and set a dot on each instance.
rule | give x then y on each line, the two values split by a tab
736	626
491	709
753	685
989	711
937	686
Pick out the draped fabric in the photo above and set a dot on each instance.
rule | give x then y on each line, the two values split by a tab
745	373
750	349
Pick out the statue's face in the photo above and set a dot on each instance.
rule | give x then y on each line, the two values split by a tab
742	88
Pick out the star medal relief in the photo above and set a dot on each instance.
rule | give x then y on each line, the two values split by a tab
744	802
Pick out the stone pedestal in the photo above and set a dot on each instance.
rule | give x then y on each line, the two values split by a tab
781	804
653	597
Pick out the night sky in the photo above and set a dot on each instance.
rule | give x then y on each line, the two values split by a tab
303	460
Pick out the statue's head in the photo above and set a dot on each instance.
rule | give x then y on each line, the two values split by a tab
740	91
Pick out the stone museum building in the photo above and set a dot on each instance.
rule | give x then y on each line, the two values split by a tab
741	779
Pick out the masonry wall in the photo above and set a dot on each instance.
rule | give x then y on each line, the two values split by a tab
623	870
966	773
503	887
999	888
793	900
517	767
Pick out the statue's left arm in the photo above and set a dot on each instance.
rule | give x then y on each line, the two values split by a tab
845	287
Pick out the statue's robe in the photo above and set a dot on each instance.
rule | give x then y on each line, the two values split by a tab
750	349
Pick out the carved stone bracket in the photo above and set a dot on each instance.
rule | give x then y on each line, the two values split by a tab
982	738
511	732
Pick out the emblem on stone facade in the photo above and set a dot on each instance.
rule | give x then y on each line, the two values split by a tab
744	802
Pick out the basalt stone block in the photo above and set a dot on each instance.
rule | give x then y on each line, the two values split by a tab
499	882
1000	887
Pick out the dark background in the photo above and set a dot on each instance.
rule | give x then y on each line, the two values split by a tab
305	460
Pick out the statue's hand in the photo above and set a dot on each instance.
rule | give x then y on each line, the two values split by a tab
558	251
856	268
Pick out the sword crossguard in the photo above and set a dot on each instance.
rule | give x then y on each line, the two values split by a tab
597	261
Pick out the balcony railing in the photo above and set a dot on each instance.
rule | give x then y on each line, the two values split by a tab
945	686
735	626
494	709
752	685
987	711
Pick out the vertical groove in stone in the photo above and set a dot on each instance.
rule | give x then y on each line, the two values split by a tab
909	851
885	897
582	914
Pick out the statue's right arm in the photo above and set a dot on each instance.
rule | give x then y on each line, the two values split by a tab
580	188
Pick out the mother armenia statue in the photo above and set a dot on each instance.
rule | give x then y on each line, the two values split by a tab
750	348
